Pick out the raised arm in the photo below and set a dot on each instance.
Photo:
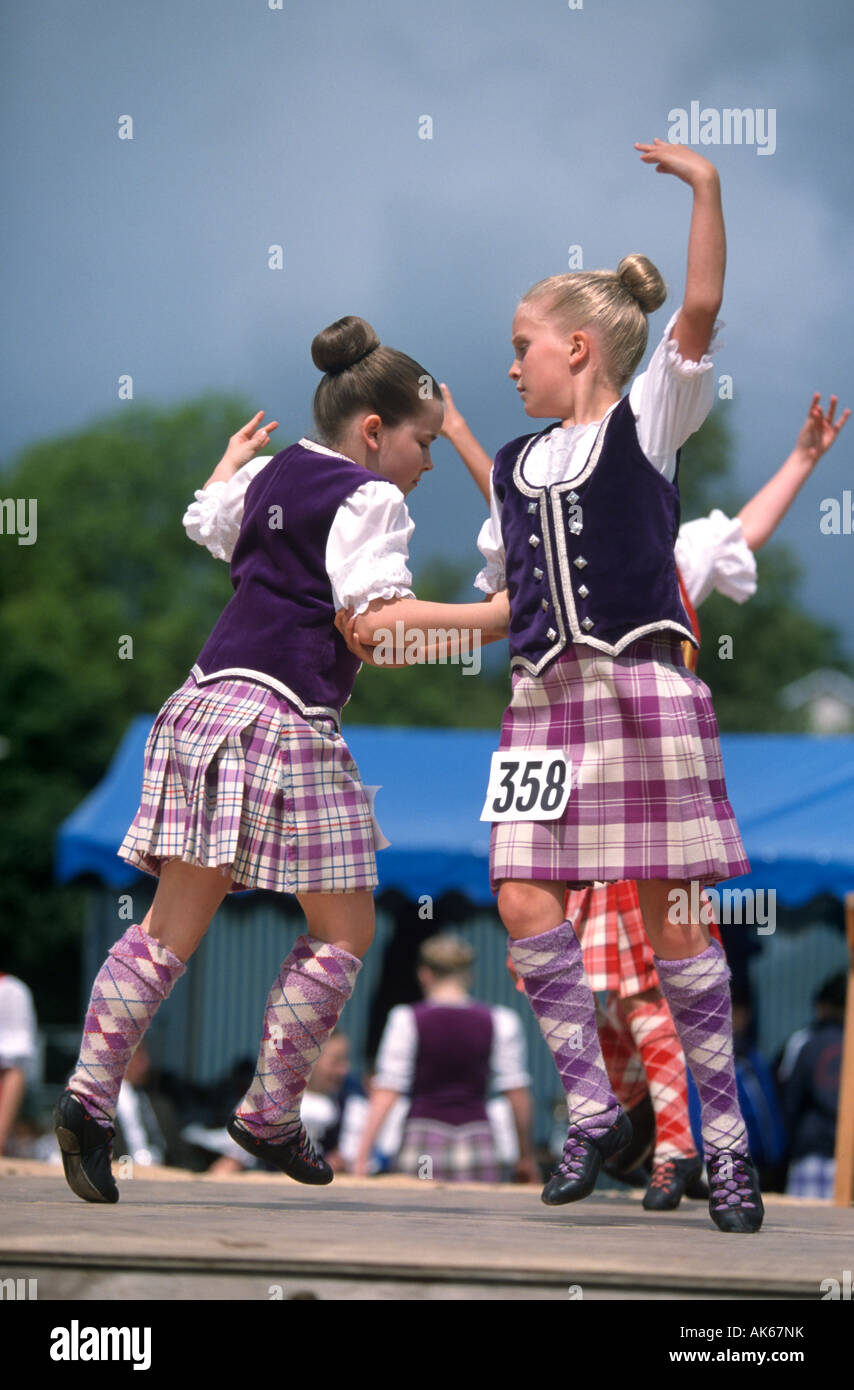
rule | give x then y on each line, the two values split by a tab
761	516
214	516
704	281
242	447
457	432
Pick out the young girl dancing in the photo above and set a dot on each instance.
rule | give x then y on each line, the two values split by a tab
247	780
640	1046
583	522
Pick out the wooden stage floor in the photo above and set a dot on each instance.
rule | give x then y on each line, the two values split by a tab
259	1237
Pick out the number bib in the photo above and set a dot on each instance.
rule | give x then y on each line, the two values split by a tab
529	785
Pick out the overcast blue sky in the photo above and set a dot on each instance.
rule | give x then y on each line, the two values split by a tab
299	126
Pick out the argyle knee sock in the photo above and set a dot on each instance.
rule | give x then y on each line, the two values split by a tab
552	969
697	990
136	977
620	1055
303	1007
654	1033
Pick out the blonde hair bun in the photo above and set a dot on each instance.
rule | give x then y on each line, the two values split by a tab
446	955
343	343
643	281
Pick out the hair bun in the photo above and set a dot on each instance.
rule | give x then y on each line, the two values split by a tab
343	344
643	281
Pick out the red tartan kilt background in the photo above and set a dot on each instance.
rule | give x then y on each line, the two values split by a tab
617	955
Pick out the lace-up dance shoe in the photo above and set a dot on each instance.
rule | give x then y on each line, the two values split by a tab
735	1203
295	1156
576	1173
87	1151
670	1182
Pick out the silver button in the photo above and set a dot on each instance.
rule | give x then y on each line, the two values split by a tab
583	591
587	624
576	528
532	506
551	634
538	574
534	541
579	562
572	497
544	604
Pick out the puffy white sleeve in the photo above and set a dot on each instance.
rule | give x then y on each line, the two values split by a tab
712	554
491	546
18	1043
214	518
396	1055
368	547
672	398
508	1060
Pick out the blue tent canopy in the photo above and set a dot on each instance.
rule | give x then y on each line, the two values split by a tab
793	796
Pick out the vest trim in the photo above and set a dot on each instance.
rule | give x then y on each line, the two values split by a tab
308	711
554	494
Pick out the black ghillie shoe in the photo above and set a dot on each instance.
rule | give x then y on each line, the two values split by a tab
628	1165
735	1203
575	1176
669	1183
87	1151
296	1157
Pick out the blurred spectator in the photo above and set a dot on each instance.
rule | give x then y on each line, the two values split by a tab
808	1078
447	1053
329	1097
18	1051
148	1117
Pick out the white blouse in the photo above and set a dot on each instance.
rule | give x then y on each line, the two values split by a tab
669	401
368	544
398	1048
712	554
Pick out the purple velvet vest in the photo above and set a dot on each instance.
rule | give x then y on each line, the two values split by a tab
589	561
279	623
452	1069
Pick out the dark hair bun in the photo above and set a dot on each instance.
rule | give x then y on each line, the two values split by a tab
643	281
343	343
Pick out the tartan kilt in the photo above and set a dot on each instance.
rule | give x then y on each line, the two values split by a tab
457	1153
617	953
650	799
235	778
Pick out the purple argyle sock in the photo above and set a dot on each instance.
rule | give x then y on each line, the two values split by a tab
697	990
552	970
303	1007
136	977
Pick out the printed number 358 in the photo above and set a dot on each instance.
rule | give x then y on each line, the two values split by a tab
530	788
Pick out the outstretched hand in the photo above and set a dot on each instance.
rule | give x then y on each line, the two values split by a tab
688	165
249	441
819	431
453	421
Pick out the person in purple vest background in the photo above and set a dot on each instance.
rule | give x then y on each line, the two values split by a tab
247	780
609	748
447	1053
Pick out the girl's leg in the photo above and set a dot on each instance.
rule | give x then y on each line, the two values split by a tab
650	1023
694	979
547	957
620	1054
138	974
303	1007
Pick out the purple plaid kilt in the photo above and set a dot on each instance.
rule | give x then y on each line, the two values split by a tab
457	1153
236	778
642	734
